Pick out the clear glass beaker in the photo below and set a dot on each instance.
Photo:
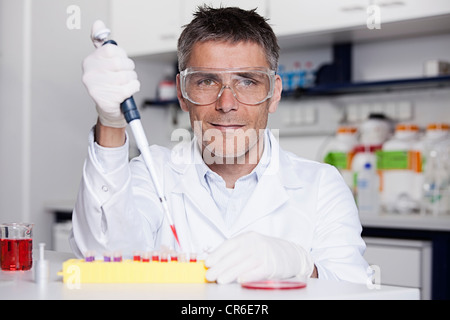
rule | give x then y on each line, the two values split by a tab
16	246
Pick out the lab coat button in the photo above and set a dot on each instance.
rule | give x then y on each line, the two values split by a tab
105	188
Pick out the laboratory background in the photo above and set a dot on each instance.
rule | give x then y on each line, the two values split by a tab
366	88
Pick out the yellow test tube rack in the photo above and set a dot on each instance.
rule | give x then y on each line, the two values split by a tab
130	271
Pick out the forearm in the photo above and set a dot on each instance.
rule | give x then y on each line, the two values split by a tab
105	216
109	137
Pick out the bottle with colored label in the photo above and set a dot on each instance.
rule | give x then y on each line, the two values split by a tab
340	151
397	175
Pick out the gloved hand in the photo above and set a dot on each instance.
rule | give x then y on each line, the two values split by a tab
252	256
109	77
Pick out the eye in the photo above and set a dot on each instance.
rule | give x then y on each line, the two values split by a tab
206	82
203	80
248	80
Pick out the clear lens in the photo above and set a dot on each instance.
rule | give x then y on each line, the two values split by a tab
205	86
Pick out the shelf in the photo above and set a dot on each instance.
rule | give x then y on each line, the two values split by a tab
344	88
158	103
370	87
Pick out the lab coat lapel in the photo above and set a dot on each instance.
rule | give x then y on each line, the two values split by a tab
197	199
270	193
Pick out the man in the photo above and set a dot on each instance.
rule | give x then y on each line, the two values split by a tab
250	209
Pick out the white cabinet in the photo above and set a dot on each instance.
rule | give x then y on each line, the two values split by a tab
145	27
392	10
290	17
401	262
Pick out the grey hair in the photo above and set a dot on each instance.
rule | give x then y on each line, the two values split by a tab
230	25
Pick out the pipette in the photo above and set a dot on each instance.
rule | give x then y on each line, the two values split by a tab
99	37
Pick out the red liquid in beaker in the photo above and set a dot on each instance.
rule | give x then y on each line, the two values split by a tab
16	254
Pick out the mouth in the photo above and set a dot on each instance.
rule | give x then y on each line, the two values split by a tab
227	126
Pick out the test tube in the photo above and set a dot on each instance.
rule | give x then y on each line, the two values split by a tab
192	257
89	256
164	256
117	256
136	256
155	256
173	255
182	257
106	257
146	257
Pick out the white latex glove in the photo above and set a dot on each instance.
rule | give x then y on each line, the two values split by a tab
252	256
109	77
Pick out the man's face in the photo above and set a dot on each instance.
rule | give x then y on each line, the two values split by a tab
227	128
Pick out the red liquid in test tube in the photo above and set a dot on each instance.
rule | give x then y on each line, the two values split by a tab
155	256
136	256
164	257
146	257
173	256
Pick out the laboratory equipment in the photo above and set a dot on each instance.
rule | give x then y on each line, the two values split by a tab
89	255
274	285
99	37
376	130
436	134
16	246
164	270
367	186
340	151
107	257
436	178
395	162
42	268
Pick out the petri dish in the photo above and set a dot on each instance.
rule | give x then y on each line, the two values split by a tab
273	285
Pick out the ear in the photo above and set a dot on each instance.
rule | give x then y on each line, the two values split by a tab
278	88
181	100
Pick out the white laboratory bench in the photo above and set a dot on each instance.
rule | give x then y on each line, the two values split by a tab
20	285
407	221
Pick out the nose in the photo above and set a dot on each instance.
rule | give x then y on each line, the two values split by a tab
227	101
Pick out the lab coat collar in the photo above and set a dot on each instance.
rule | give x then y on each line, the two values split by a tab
269	194
204	171
186	156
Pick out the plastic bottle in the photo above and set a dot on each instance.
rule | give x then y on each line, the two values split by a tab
373	133
376	130
397	175
367	196
434	180
341	150
363	155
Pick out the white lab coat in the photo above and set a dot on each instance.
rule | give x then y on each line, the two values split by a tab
299	200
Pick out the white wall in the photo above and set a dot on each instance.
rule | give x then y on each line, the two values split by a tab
12	110
45	110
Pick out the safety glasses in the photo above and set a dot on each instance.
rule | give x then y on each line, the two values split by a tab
204	86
